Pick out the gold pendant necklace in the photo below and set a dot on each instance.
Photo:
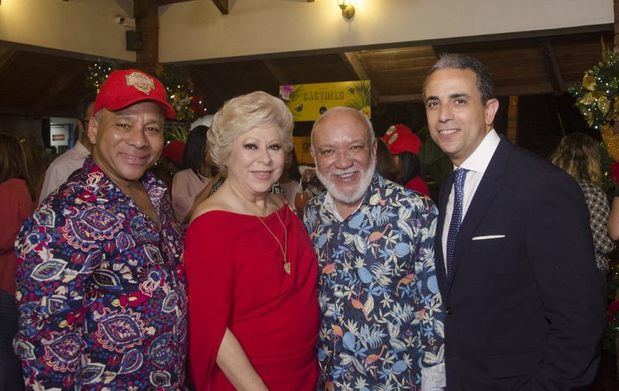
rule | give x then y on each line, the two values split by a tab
283	248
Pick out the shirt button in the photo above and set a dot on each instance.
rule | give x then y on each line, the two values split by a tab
448	311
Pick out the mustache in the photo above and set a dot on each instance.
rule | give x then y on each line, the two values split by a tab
345	172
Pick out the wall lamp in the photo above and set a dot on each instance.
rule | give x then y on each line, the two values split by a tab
348	10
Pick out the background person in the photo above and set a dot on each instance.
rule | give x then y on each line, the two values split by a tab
194	175
73	159
250	265
290	181
579	155
404	147
16	205
384	162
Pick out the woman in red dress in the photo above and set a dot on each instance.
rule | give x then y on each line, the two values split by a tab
16	205
251	269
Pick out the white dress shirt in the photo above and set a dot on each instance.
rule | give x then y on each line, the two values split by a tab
476	165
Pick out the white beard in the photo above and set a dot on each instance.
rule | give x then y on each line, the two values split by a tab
350	197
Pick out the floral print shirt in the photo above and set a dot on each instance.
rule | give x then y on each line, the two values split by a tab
382	318
101	290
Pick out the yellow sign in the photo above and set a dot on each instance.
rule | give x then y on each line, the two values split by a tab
308	101
302	147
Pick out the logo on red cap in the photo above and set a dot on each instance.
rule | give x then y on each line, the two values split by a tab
400	138
140	81
126	87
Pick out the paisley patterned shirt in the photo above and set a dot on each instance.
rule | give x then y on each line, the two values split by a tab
101	290
382	319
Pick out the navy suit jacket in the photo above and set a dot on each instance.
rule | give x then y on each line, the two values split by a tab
523	305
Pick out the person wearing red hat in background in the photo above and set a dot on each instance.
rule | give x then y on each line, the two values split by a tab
404	146
100	283
174	151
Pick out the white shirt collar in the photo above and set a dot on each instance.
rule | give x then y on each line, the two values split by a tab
480	158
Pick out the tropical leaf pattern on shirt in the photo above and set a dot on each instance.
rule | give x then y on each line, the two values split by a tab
382	319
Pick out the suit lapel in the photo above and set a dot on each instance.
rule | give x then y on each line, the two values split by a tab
487	190
438	248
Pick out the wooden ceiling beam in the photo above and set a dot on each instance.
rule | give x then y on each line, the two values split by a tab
211	85
277	72
525	89
515	90
6	55
355	65
385	99
222	6
57	88
165	2
146	14
552	67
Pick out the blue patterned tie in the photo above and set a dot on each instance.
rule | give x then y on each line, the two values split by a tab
456	216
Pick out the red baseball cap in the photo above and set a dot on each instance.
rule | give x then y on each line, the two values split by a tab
129	86
400	138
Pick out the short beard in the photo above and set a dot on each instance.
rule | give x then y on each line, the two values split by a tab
348	198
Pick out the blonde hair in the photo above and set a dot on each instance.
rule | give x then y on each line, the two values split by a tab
579	155
242	114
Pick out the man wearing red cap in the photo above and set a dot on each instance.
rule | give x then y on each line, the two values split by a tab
100	284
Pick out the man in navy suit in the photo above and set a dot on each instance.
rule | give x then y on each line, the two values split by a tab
516	270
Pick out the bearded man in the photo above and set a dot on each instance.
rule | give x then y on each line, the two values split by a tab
382	321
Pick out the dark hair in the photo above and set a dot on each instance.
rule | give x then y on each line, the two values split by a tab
410	167
293	168
194	156
11	161
82	106
384	162
484	83
34	165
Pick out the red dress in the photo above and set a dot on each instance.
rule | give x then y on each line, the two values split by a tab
236	279
15	207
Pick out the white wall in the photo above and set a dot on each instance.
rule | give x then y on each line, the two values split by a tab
80	26
196	30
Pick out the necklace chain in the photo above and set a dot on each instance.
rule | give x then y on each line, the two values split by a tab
283	248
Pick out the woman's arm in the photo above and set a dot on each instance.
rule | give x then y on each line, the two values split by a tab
233	362
613	220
